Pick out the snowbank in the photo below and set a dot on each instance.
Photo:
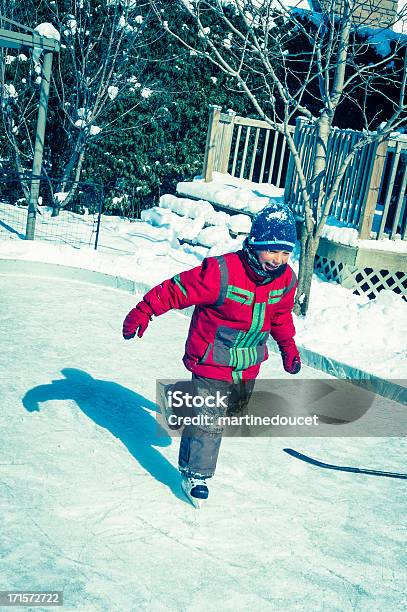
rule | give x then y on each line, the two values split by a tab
365	334
201	209
227	190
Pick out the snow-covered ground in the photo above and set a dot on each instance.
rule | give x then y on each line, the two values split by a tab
368	335
90	499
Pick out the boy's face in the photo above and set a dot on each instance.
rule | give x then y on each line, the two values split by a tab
271	260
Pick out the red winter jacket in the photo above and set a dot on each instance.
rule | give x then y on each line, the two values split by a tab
233	317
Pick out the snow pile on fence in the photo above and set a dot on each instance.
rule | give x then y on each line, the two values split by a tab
344	233
236	193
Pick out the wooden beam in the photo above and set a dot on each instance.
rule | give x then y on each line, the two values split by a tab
17	40
372	191
398	216
227	142
257	123
213	125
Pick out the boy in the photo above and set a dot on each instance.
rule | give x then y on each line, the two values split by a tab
240	298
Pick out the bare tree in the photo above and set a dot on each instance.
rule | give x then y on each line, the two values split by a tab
328	67
97	80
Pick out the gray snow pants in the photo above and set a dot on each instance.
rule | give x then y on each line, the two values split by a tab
199	447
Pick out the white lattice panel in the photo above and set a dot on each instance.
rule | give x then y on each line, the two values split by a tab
363	281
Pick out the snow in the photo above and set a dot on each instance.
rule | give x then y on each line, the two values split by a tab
184	229
344	233
381	39
146	92
277	214
91	502
61	196
186	207
84	113
48	30
339	324
215	234
203	210
382	351
239	224
122	22
340	232
227	190
9	91
112	92
80	123
72	24
211	236
94	130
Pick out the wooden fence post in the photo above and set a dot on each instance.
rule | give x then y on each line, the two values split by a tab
372	190
214	116
227	142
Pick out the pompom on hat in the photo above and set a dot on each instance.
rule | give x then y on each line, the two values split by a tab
273	229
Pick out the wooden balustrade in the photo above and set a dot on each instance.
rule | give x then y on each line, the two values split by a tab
372	193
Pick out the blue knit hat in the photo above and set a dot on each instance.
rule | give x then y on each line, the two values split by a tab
273	229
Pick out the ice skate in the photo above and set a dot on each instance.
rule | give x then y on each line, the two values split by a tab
196	489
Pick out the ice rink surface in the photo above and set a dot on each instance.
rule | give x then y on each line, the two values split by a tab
90	498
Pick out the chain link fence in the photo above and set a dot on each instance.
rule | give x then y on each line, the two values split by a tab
71	216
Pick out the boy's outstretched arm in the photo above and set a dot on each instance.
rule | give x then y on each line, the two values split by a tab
200	285
283	332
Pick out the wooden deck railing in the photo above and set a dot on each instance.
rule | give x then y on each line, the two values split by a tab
372	193
246	148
